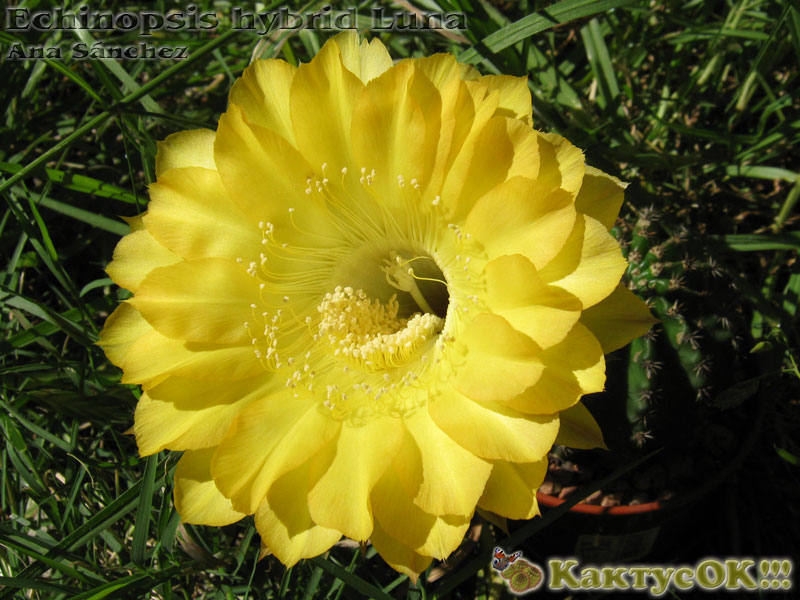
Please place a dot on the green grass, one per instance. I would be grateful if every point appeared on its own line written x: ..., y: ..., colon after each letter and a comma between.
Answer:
x: 695, y: 103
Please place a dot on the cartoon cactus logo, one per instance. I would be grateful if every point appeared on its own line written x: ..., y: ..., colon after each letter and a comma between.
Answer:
x: 520, y: 575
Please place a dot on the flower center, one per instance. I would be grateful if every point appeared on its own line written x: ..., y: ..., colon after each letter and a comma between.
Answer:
x: 363, y: 315
x: 401, y: 276
x: 369, y: 334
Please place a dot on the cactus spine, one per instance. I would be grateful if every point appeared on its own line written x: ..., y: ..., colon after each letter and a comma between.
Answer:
x: 693, y: 353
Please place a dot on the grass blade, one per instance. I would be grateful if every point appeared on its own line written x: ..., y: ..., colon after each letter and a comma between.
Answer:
x: 120, y: 507
x: 562, y: 12
x: 762, y: 172
x: 79, y: 183
x: 600, y: 61
x: 350, y: 579
x: 106, y: 114
x: 144, y: 511
x: 116, y: 69
x: 33, y: 584
x: 79, y: 214
x: 752, y: 242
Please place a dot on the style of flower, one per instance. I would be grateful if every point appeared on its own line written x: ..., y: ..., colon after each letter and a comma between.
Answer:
x: 368, y: 302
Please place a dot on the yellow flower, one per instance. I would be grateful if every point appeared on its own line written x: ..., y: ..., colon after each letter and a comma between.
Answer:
x: 364, y: 304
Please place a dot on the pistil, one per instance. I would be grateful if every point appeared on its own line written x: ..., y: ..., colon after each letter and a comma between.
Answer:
x: 401, y: 276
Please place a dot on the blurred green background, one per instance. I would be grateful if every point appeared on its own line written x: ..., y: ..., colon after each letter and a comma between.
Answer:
x: 695, y: 103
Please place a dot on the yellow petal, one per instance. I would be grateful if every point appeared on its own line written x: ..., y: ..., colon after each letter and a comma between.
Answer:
x: 471, y: 112
x: 572, y: 368
x: 399, y: 556
x: 399, y: 514
x: 506, y: 148
x: 366, y: 60
x: 392, y: 501
x: 501, y: 433
x: 269, y: 438
x: 561, y: 164
x: 121, y: 330
x: 442, y: 112
x: 580, y: 352
x: 469, y: 72
x: 323, y: 95
x: 263, y: 94
x: 526, y: 162
x: 500, y: 362
x: 452, y: 477
x: 516, y: 292
x: 184, y: 414
x: 480, y: 151
x: 579, y: 429
x: 154, y: 355
x: 442, y: 70
x: 511, y: 489
x: 197, y: 499
x: 283, y: 519
x: 389, y: 132
x: 136, y: 255
x: 205, y: 300
x: 515, y: 97
x: 193, y: 148
x: 400, y: 517
x: 618, y: 319
x: 190, y: 213
x: 590, y: 265
x: 135, y: 222
x: 341, y: 498
x: 445, y: 536
x: 521, y: 216
x: 600, y: 196
x: 266, y: 176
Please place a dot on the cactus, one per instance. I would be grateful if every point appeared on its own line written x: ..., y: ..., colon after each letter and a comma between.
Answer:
x: 674, y: 372
x: 522, y: 576
x: 665, y: 389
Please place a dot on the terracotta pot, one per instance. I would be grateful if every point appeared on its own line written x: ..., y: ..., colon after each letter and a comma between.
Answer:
x: 604, y: 534
x: 653, y: 530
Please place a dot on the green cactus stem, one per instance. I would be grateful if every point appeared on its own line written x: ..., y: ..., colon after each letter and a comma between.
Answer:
x: 694, y: 352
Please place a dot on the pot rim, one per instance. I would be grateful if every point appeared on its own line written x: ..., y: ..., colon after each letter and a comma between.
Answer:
x: 595, y: 509
x: 686, y: 498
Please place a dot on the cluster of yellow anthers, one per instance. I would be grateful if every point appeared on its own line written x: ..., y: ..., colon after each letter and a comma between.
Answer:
x: 369, y: 303
x: 370, y: 333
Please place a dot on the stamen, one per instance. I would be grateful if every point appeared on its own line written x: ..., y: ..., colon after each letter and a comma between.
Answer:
x: 369, y: 334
